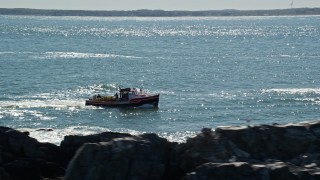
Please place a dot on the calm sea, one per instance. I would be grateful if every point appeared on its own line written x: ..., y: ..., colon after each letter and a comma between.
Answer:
x: 210, y: 72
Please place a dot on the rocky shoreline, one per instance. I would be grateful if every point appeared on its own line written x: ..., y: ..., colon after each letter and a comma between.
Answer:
x: 290, y: 151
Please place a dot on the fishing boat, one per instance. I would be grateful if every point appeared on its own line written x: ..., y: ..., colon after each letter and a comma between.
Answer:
x: 126, y: 97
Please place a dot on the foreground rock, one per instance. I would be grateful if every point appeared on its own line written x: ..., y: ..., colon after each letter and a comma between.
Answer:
x: 268, y: 152
x: 22, y: 157
x: 260, y: 152
x: 142, y: 157
x: 263, y: 152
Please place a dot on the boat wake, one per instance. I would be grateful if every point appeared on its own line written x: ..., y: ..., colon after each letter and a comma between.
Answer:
x: 42, y: 106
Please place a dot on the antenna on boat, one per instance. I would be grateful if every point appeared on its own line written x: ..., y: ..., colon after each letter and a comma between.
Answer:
x: 291, y: 4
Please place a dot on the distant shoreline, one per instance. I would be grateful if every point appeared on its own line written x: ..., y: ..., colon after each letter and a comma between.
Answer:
x: 160, y: 13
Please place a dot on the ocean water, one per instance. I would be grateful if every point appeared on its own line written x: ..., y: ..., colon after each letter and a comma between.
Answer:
x: 209, y: 71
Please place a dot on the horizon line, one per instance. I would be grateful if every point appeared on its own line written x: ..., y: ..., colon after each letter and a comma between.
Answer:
x: 167, y: 10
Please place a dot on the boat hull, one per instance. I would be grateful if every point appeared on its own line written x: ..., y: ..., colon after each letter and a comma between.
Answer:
x: 151, y: 101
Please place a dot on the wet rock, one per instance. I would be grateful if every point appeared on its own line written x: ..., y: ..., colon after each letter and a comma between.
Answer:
x: 141, y: 157
x: 16, y: 140
x: 72, y: 143
x: 45, y: 129
x: 33, y: 169
x: 242, y: 170
x: 280, y: 171
x: 265, y: 141
x: 229, y: 171
x: 205, y: 147
x: 4, y: 175
x: 23, y: 157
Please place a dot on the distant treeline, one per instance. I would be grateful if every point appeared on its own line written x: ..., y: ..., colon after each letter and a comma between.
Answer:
x: 162, y: 13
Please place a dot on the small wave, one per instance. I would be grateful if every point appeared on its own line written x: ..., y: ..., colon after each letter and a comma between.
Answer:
x: 79, y: 55
x: 22, y: 113
x: 179, y: 137
x: 290, y: 100
x: 55, y: 136
x: 70, y: 55
x: 7, y: 53
x: 285, y: 55
x: 299, y: 91
x: 11, y: 52
x: 297, y: 96
x: 308, y: 100
x: 163, y: 92
x: 96, y: 88
x: 223, y: 95
x: 12, y: 113
x: 109, y: 86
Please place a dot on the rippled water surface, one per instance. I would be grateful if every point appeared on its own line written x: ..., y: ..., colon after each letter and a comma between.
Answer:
x: 209, y: 72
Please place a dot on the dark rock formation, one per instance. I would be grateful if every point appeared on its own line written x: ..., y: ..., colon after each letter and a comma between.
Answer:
x: 284, y: 151
x: 23, y: 157
x: 141, y: 157
x: 263, y: 152
x: 70, y: 144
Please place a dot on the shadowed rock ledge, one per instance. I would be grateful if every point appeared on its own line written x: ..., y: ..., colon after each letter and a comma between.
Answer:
x: 290, y: 151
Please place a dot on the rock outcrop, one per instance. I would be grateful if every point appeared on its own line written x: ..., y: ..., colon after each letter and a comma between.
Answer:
x: 263, y: 152
x: 23, y: 157
x: 280, y: 152
x: 141, y: 157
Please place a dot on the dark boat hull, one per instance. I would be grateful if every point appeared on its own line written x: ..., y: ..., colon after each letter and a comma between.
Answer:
x: 151, y: 101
